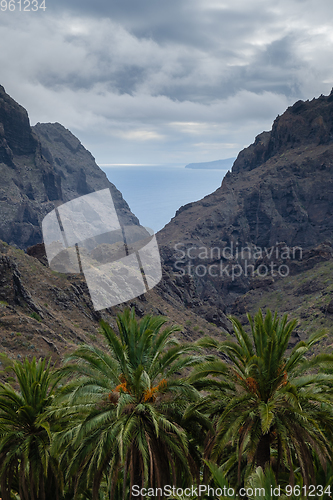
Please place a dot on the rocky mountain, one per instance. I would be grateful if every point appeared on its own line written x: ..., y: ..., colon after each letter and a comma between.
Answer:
x: 40, y: 168
x: 46, y: 313
x: 264, y: 238
x: 43, y: 312
x: 276, y: 204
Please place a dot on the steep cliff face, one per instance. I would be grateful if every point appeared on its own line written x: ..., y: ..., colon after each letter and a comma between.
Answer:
x: 16, y: 137
x: 303, y: 124
x: 280, y: 190
x: 37, y: 176
x: 76, y: 167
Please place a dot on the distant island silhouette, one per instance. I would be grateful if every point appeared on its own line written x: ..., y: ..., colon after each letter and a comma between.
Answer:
x: 217, y: 164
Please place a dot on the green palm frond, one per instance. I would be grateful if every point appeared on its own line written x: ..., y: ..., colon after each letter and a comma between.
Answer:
x: 265, y: 401
x: 25, y: 432
x: 131, y: 400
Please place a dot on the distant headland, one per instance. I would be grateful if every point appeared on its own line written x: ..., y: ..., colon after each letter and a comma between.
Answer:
x: 217, y: 164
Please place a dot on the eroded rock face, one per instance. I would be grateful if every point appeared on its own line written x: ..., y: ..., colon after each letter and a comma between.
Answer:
x: 40, y: 168
x: 279, y: 193
x: 44, y: 313
x: 16, y: 137
x: 303, y: 124
x: 76, y: 167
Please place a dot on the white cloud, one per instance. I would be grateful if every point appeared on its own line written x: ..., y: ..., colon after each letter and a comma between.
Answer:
x: 139, y: 135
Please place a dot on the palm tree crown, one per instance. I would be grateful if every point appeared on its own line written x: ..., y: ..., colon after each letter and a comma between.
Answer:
x: 25, y: 461
x: 268, y: 401
x: 126, y: 403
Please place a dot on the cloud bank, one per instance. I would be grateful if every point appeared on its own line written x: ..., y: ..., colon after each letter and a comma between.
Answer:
x: 162, y: 82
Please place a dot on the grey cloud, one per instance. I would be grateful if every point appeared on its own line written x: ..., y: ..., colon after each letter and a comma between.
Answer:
x: 141, y: 16
x: 274, y: 70
x: 150, y: 78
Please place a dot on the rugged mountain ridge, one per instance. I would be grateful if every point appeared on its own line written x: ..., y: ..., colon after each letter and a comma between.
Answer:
x: 43, y: 312
x: 40, y: 168
x: 279, y: 194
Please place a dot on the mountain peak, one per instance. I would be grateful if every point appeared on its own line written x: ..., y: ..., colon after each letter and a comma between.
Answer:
x: 42, y: 167
x: 279, y: 192
x: 303, y: 124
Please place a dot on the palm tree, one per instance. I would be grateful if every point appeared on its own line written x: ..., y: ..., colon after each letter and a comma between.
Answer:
x: 268, y: 403
x: 25, y: 461
x: 126, y: 405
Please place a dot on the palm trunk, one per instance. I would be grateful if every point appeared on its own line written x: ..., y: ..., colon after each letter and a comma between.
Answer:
x: 263, y: 456
x: 125, y: 476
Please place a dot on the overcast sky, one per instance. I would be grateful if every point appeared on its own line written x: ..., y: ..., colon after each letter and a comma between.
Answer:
x: 166, y: 81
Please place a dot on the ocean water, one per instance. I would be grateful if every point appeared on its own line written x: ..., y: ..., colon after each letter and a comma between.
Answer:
x: 155, y: 193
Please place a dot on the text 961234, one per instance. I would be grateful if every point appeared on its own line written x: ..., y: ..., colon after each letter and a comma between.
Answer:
x: 22, y: 5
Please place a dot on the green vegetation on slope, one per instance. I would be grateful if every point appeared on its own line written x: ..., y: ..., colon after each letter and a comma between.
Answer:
x: 148, y: 411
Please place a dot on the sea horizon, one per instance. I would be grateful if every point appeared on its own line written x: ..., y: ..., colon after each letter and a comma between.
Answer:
x: 155, y: 192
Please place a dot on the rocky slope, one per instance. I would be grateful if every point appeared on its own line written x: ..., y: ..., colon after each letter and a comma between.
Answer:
x: 45, y: 313
x: 306, y: 294
x: 41, y: 168
x: 277, y: 201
